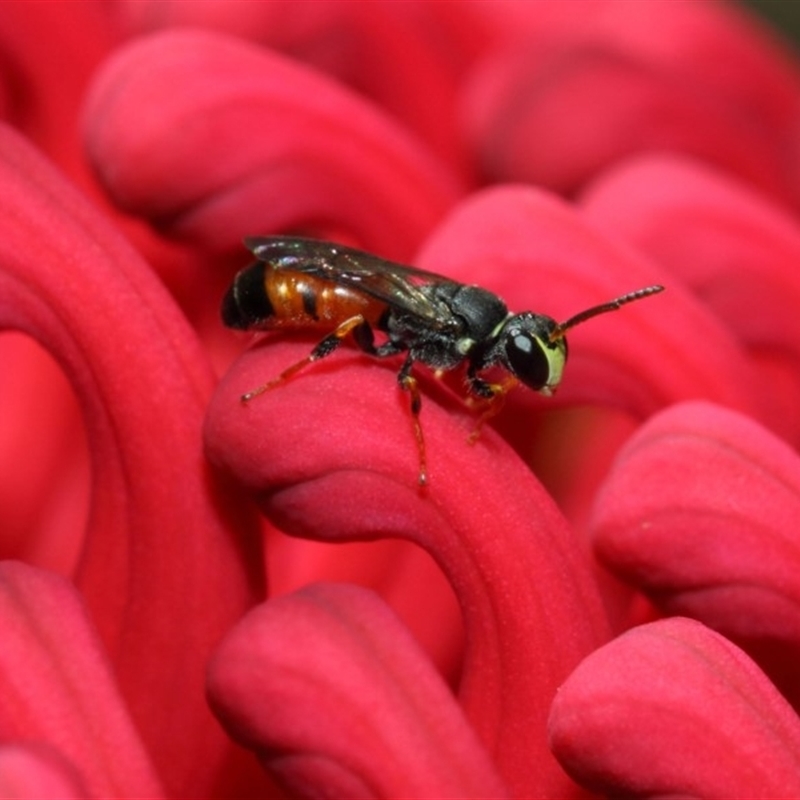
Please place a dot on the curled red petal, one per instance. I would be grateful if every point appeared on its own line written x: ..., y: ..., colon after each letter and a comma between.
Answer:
x: 44, y: 460
x: 331, y: 658
x: 407, y: 57
x: 165, y: 569
x: 672, y: 709
x: 216, y: 139
x: 736, y: 250
x: 700, y: 512
x: 37, y: 771
x: 539, y: 254
x: 331, y: 456
x: 404, y: 575
x: 572, y: 98
x: 58, y: 689
x: 48, y: 53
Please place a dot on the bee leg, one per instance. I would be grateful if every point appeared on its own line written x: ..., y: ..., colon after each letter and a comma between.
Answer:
x: 364, y: 338
x: 409, y: 384
x: 324, y: 348
x: 493, y: 396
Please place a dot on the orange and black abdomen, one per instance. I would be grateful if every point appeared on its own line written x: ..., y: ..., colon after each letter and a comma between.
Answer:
x: 262, y: 298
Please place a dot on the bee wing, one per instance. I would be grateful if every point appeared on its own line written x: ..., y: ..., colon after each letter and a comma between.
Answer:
x: 399, y: 286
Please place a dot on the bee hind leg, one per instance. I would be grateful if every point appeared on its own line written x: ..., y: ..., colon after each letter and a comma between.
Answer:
x: 324, y: 348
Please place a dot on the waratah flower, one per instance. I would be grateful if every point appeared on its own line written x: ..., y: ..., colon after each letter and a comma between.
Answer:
x: 595, y: 595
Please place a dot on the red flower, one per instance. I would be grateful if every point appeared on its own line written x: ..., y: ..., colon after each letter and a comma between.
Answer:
x: 497, y: 673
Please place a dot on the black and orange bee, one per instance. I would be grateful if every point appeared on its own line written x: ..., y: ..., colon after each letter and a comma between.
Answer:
x: 299, y: 283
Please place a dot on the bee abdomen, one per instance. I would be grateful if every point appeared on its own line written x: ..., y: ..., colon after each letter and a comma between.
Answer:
x: 246, y: 303
x: 262, y: 297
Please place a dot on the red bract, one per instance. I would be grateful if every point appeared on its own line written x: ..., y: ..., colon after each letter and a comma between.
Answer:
x: 672, y: 709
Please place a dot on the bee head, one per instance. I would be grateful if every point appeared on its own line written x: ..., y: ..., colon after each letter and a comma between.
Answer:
x: 534, y: 347
x: 532, y: 352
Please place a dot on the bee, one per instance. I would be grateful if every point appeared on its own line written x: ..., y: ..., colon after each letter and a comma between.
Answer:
x: 297, y: 283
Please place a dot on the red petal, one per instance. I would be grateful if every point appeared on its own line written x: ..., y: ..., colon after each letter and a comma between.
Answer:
x: 332, y: 456
x: 407, y: 57
x: 279, y: 147
x: 37, y: 772
x: 701, y: 512
x: 404, y: 575
x: 587, y: 89
x: 672, y: 709
x: 49, y: 51
x: 57, y: 686
x: 44, y: 460
x: 304, y: 668
x: 163, y: 570
x: 737, y: 251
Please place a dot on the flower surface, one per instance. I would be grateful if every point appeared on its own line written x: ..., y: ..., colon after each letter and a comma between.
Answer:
x: 201, y: 597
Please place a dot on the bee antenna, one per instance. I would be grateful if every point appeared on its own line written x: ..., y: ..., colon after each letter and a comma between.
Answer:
x: 612, y: 305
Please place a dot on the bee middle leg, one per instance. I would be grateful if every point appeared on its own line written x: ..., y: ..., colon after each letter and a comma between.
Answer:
x: 324, y: 348
x: 365, y: 339
x: 409, y: 384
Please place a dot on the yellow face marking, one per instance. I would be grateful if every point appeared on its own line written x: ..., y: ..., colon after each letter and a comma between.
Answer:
x: 556, y: 359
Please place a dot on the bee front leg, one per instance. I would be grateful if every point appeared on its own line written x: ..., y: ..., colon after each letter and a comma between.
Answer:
x: 324, y: 348
x: 492, y: 395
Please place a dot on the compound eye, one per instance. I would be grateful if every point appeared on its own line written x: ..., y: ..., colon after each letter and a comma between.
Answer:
x: 536, y: 362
